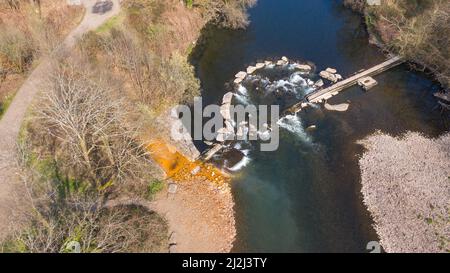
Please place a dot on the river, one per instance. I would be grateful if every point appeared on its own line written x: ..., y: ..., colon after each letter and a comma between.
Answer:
x: 305, y: 197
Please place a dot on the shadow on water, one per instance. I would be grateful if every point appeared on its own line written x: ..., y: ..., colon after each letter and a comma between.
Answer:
x: 305, y: 197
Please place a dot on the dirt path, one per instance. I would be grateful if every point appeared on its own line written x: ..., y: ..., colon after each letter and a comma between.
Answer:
x: 12, y: 120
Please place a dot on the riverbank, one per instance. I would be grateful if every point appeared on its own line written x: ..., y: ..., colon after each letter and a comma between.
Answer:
x: 197, y: 203
x: 417, y: 31
x: 405, y: 185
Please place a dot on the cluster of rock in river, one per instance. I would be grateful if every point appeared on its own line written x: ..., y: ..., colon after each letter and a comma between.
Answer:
x: 331, y: 75
x: 228, y: 130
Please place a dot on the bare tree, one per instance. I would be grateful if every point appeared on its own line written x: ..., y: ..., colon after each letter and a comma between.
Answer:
x: 88, y: 121
x: 227, y: 13
x: 60, y: 220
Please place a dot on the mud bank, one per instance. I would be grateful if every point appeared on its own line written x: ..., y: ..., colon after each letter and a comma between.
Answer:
x: 406, y: 188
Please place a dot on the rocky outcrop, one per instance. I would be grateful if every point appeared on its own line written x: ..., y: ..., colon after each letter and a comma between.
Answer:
x: 331, y: 75
x: 185, y: 144
x: 328, y: 76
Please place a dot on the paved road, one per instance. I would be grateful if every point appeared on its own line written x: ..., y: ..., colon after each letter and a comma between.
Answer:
x: 12, y: 120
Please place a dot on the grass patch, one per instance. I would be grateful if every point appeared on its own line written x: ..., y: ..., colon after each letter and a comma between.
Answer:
x: 5, y: 104
x: 111, y: 23
x: 154, y: 187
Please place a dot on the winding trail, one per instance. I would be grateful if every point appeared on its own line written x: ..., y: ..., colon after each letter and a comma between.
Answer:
x: 11, y: 122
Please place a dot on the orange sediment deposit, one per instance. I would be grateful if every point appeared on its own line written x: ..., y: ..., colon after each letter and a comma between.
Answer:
x: 179, y: 168
x: 201, y: 213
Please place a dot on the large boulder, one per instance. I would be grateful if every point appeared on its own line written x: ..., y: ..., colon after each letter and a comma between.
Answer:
x: 303, y: 67
x: 251, y: 69
x: 225, y: 111
x: 319, y: 83
x: 328, y: 76
x: 259, y: 65
x: 241, y: 75
x: 227, y: 98
x: 331, y: 70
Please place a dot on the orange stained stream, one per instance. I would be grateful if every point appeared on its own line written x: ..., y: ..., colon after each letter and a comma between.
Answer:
x: 179, y: 168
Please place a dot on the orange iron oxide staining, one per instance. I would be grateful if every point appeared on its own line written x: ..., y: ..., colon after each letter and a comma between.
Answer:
x: 179, y: 168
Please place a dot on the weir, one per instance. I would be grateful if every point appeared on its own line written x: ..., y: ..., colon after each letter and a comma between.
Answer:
x: 319, y: 95
x: 326, y: 93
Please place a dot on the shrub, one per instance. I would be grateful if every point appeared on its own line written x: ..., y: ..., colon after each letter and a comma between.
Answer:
x: 154, y: 187
x: 17, y: 50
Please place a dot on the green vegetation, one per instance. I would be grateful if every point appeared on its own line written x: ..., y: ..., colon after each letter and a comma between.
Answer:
x: 4, y: 104
x: 154, y: 187
x: 189, y: 3
x: 113, y: 22
x: 71, y: 171
x: 27, y: 31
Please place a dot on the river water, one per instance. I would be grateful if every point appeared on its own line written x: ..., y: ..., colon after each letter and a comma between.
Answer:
x: 305, y: 197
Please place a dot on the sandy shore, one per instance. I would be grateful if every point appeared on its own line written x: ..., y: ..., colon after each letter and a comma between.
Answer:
x: 406, y: 187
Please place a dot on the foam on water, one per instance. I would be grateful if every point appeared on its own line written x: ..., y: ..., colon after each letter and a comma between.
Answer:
x: 297, y: 79
x: 242, y: 99
x: 241, y: 164
x: 242, y: 90
x: 293, y: 124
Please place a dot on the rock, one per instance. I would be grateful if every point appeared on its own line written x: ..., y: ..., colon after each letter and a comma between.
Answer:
x: 221, y: 137
x: 268, y: 63
x: 173, y: 238
x: 229, y: 125
x: 182, y: 143
x: 241, y: 75
x: 240, y: 132
x: 339, y: 77
x: 238, y: 80
x: 265, y: 135
x: 312, y: 127
x: 195, y: 170
x: 251, y: 69
x: 310, y: 82
x: 328, y: 76
x: 281, y: 62
x: 319, y: 83
x: 173, y: 187
x: 225, y: 111
x: 227, y: 98
x: 209, y: 143
x: 259, y: 65
x: 173, y: 248
x: 338, y: 107
x: 331, y: 70
x: 285, y: 59
x: 303, y: 67
x: 253, y: 131
x: 224, y: 134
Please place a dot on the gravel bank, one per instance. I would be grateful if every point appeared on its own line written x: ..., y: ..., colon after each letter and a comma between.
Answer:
x: 406, y: 187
